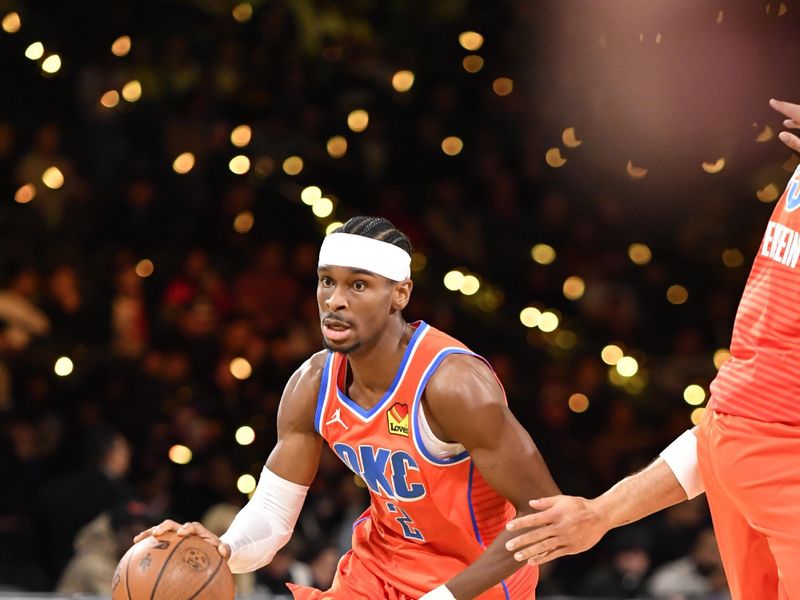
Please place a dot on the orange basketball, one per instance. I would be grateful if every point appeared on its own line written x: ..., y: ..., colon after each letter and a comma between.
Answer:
x: 170, y: 567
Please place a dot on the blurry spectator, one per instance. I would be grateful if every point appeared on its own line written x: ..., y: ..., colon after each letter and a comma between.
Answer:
x: 99, y: 546
x: 284, y: 568
x: 698, y: 575
x: 129, y: 323
x: 19, y: 309
x: 72, y: 500
x: 629, y: 565
x: 217, y: 519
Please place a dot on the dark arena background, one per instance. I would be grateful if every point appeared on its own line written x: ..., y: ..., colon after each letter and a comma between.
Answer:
x: 585, y: 184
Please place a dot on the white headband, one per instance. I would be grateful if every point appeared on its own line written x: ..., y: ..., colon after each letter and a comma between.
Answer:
x: 359, y: 252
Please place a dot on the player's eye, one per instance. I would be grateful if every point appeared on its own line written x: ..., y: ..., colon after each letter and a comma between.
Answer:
x: 359, y: 286
x: 325, y: 281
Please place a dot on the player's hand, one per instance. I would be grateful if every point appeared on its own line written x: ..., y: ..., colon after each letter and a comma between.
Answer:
x: 792, y: 121
x: 564, y: 525
x: 187, y: 528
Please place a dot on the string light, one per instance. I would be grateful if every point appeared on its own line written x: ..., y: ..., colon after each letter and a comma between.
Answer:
x: 470, y: 285
x: 180, y: 454
x: 543, y: 254
x: 132, y: 91
x: 25, y: 194
x: 677, y: 294
x: 472, y: 63
x: 145, y: 268
x: 241, y: 136
x: 452, y: 145
x: 627, y: 366
x: 246, y: 484
x: 310, y: 195
x: 322, y: 207
x: 358, y: 120
x: 453, y: 280
x: 502, y: 86
x: 548, y: 321
x: 35, y: 51
x: 110, y: 99
x: 529, y: 316
x: 402, y: 81
x: 12, y: 22
x: 611, y: 354
x: 337, y: 146
x: 63, y: 366
x: 639, y: 254
x: 51, y: 64
x: 121, y: 46
x: 578, y: 403
x: 245, y: 435
x: 573, y: 288
x: 470, y: 40
x: 183, y: 163
x: 694, y: 395
x: 240, y: 368
x: 243, y: 222
x: 239, y: 165
x: 293, y: 165
x: 53, y: 178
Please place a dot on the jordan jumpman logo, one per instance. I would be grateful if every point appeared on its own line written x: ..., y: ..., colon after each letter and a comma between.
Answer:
x: 337, y: 418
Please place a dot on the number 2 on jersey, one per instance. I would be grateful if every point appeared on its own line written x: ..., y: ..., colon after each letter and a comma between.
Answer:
x: 412, y: 533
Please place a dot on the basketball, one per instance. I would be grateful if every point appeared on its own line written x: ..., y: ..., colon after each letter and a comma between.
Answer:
x: 171, y: 567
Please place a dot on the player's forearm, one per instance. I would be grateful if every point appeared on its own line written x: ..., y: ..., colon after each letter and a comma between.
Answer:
x: 639, y: 495
x: 494, y: 565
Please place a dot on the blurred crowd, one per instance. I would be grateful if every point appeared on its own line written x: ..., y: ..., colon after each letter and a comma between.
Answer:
x: 139, y: 276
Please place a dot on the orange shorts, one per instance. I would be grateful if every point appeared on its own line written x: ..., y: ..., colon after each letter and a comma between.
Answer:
x: 352, y: 581
x: 751, y: 472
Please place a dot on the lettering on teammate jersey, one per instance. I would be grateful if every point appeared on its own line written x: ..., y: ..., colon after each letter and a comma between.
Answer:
x: 781, y: 244
x: 397, y: 415
x: 793, y: 192
x: 385, y: 472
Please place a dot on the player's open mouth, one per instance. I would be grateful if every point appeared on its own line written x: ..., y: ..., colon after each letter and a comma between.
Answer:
x: 335, y: 331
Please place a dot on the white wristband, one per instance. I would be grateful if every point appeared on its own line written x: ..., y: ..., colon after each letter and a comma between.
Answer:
x: 440, y: 593
x: 681, y: 458
x: 265, y: 524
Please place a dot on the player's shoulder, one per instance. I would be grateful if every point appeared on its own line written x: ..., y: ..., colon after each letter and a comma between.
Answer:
x: 462, y: 376
x: 306, y: 379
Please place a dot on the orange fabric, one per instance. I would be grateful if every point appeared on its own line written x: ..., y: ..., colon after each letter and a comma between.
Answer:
x: 760, y: 381
x: 429, y: 517
x: 751, y: 471
x: 352, y: 581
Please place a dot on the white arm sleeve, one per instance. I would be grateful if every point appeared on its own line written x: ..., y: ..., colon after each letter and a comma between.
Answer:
x: 265, y: 524
x: 681, y: 457
x: 440, y: 593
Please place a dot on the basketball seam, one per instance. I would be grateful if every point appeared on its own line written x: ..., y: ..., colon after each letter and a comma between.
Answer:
x: 214, y: 574
x: 161, y: 572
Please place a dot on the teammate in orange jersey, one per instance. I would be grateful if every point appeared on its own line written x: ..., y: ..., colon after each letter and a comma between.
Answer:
x: 421, y: 418
x: 746, y: 450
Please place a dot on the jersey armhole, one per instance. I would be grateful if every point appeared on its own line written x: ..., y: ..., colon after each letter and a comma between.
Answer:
x: 322, y: 396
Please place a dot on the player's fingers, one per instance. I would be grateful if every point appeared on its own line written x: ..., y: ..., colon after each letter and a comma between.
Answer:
x: 527, y: 521
x: 547, y: 556
x: 529, y: 538
x: 224, y: 550
x: 164, y: 527
x: 790, y: 124
x: 788, y: 109
x: 790, y: 140
x: 542, y: 547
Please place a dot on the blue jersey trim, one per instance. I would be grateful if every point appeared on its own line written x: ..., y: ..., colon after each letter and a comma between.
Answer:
x: 398, y: 377
x: 415, y: 408
x: 471, y: 509
x: 475, y: 522
x: 323, y: 393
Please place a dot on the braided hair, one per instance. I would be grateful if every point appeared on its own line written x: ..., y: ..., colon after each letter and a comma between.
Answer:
x: 376, y: 228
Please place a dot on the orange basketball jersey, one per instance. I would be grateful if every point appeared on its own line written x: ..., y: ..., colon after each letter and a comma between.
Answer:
x: 431, y: 515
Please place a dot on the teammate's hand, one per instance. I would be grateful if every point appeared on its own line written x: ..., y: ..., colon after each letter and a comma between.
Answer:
x: 792, y: 112
x: 564, y: 525
x: 186, y: 529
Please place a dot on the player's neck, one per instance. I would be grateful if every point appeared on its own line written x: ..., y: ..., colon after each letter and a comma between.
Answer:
x: 373, y: 368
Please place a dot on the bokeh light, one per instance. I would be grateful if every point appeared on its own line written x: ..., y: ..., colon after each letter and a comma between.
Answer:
x: 470, y: 40
x: 322, y: 208
x: 132, y: 91
x: 63, y: 366
x: 677, y: 294
x: 694, y: 395
x: 241, y: 135
x: 333, y: 226
x: 502, y: 86
x: 310, y: 194
x: 639, y: 254
x: 697, y: 415
x: 627, y: 366
x: 578, y: 403
x: 51, y: 64
x: 470, y: 285
x: 611, y: 354
x: 472, y: 63
x: 121, y: 46
x: 554, y: 159
x: 240, y: 368
x: 25, y: 194
x: 548, y: 321
x: 293, y: 165
x: 183, y: 163
x: 453, y: 280
x: 239, y: 165
x: 529, y: 316
x: 34, y: 51
x: 243, y: 222
x: 543, y: 254
x: 358, y: 120
x: 246, y: 484
x: 452, y: 145
x: 12, y: 22
x: 337, y: 146
x: 145, y: 268
x: 180, y: 454
x: 242, y: 12
x: 732, y: 258
x: 402, y: 81
x: 110, y: 99
x: 721, y: 356
x: 245, y: 435
x: 573, y: 288
x: 53, y: 178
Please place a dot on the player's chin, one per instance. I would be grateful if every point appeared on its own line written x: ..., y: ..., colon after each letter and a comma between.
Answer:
x: 340, y: 347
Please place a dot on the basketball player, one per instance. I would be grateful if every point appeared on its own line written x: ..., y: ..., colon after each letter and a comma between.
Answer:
x: 421, y: 418
x: 746, y: 450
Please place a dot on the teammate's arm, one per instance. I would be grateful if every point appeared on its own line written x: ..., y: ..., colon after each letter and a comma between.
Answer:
x: 265, y: 524
x: 464, y: 403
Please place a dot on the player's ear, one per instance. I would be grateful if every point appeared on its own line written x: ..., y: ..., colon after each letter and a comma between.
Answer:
x: 401, y: 294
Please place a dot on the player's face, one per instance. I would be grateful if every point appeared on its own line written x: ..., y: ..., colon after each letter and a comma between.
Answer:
x: 354, y: 306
